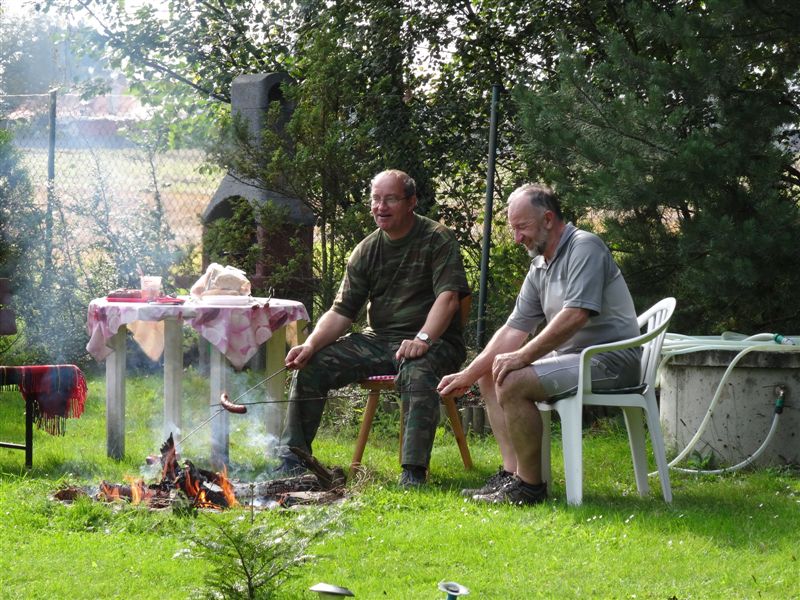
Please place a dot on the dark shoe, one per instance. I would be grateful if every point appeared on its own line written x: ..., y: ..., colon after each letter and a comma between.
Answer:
x: 495, y: 482
x: 515, y: 491
x: 289, y: 466
x: 413, y: 476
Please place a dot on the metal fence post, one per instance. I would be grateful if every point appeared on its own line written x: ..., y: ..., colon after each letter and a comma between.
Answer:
x: 487, y: 218
x: 51, y: 183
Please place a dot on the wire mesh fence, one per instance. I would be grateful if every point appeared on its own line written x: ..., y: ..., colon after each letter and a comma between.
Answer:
x: 106, y: 202
x: 99, y: 159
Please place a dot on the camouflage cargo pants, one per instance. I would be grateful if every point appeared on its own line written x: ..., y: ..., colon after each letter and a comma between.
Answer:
x: 357, y: 356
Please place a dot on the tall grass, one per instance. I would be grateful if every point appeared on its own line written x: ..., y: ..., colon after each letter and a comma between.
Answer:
x: 723, y: 537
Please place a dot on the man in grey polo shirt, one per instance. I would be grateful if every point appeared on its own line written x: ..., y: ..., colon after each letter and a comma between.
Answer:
x: 575, y: 286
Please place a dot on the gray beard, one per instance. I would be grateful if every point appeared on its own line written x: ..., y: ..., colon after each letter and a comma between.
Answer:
x: 536, y: 250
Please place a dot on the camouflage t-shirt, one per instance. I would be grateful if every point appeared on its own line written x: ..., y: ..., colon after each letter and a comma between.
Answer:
x: 399, y: 280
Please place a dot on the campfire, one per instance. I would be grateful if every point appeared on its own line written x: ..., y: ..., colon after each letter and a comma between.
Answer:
x: 202, y: 488
x: 205, y: 489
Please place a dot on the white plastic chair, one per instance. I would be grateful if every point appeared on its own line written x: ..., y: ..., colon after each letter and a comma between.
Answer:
x: 633, y: 402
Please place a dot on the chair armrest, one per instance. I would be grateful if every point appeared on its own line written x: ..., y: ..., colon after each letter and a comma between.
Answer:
x: 584, y: 373
x: 639, y: 340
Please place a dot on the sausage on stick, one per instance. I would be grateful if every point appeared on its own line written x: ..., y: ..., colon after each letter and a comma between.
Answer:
x: 237, y: 409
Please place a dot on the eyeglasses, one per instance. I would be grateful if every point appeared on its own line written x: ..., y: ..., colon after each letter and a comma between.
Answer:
x: 388, y: 200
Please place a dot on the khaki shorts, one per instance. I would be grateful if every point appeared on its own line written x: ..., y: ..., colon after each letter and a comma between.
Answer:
x: 558, y: 373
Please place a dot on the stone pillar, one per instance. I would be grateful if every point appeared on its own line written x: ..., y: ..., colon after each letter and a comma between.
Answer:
x: 251, y: 97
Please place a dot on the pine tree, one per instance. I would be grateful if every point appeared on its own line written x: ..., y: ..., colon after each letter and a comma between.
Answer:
x: 669, y: 127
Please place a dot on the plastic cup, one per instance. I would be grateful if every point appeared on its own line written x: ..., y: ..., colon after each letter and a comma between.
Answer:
x: 151, y: 287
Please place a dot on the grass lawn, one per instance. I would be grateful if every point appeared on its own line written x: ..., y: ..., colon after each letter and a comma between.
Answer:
x: 734, y: 536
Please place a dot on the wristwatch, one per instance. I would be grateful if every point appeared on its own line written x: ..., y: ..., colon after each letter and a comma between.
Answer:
x: 424, y: 337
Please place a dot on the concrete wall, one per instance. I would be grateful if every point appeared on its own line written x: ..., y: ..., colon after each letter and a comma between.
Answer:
x: 745, y: 409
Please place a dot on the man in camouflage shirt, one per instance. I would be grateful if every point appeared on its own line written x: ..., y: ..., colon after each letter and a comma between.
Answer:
x: 409, y: 274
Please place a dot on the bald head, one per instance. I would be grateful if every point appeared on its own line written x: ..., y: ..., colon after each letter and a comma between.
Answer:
x: 408, y: 183
x: 534, y: 216
x: 539, y: 196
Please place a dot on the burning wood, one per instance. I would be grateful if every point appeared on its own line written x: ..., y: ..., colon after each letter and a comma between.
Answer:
x: 169, y: 460
x: 329, y: 478
x: 204, y: 489
x: 207, y: 489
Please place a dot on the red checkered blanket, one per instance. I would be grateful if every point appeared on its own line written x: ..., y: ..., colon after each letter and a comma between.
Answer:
x: 56, y: 392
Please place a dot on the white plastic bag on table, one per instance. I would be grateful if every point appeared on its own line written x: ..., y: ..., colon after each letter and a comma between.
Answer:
x: 221, y: 281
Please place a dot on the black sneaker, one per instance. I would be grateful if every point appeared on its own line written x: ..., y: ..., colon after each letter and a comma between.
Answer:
x: 413, y: 476
x: 288, y: 467
x: 495, y: 481
x: 515, y: 491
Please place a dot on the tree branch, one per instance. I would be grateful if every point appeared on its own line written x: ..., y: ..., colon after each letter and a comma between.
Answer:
x: 792, y: 176
x: 119, y: 42
x: 237, y: 27
x: 610, y: 125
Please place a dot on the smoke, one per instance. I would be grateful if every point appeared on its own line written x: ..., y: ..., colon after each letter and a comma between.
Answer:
x: 116, y: 201
x: 252, y: 430
x: 251, y: 445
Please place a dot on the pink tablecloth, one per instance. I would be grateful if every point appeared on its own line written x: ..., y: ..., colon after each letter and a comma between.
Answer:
x: 236, y: 331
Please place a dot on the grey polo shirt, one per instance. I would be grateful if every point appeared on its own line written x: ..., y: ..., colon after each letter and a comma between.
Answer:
x: 582, y: 274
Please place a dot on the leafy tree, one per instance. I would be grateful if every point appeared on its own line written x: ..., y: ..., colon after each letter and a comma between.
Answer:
x: 36, y: 55
x: 182, y: 56
x: 669, y: 128
x: 664, y: 124
x: 470, y: 49
x: 252, y: 558
x: 234, y: 241
x: 15, y: 229
x: 349, y: 121
x: 378, y: 85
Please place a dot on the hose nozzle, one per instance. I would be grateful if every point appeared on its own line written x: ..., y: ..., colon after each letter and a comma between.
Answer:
x: 780, y: 396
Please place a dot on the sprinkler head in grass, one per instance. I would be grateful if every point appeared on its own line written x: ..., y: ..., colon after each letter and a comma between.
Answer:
x: 452, y: 589
x: 326, y: 590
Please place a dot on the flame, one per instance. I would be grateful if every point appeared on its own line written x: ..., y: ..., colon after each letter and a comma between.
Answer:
x: 191, y: 487
x: 194, y: 490
x: 169, y: 461
x: 204, y: 490
x: 227, y: 487
x: 138, y: 489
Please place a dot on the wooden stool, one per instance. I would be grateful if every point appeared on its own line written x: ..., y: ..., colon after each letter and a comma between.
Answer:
x: 380, y: 383
x: 386, y: 383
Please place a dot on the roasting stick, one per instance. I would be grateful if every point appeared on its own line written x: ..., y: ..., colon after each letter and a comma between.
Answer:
x: 239, y: 408
x: 259, y: 384
x: 193, y: 431
x: 225, y: 404
x: 224, y: 400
